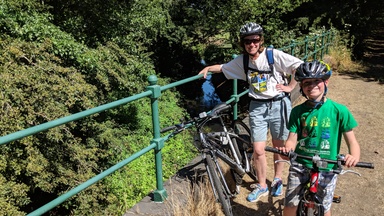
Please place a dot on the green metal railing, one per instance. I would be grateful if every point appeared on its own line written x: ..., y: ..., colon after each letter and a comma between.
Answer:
x: 310, y: 48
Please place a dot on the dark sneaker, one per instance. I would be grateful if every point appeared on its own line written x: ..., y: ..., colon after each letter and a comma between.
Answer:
x: 277, y: 187
x: 257, y: 193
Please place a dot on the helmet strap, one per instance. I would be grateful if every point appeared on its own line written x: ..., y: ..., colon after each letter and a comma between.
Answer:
x: 314, y: 103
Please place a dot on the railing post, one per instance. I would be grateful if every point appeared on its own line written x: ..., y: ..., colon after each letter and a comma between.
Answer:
x: 160, y: 194
x: 329, y: 40
x: 235, y: 95
x: 306, y: 48
x: 322, y: 45
x: 315, y: 47
x: 293, y: 46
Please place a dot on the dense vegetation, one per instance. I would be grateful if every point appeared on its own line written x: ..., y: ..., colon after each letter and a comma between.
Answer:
x: 59, y: 57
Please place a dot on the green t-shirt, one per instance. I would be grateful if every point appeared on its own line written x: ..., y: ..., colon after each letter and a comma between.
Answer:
x: 320, y: 130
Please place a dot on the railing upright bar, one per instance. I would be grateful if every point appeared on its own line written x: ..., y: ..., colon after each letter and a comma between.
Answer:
x: 160, y: 194
x: 293, y: 47
x: 315, y: 47
x: 306, y: 48
x: 322, y: 45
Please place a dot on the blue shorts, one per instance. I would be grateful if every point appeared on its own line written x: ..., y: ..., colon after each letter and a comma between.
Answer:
x: 297, y: 180
x: 273, y: 115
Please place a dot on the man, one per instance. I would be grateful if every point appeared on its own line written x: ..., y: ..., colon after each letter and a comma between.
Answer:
x: 270, y: 104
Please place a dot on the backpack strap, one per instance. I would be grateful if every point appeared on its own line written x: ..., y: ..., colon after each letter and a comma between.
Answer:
x: 271, y: 61
x: 245, y: 65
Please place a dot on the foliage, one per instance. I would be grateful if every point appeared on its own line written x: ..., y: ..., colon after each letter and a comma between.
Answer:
x: 45, y: 75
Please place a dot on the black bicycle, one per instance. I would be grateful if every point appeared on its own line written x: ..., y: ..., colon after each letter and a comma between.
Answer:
x: 229, y: 144
x: 310, y: 204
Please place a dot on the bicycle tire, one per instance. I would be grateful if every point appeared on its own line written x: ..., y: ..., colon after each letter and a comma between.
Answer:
x: 243, y: 131
x: 303, y: 210
x: 217, y: 186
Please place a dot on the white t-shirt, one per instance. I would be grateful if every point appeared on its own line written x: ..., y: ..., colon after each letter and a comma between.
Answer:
x: 262, y: 82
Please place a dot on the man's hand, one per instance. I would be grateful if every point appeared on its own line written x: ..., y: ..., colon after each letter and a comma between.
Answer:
x: 284, y: 88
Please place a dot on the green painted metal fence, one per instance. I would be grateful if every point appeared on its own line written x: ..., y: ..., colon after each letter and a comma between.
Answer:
x: 310, y: 48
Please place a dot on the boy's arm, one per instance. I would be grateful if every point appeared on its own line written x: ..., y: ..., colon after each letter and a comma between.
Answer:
x: 290, y: 144
x: 354, y: 149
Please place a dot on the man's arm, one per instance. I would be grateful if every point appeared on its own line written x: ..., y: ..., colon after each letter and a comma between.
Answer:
x: 289, y: 88
x: 212, y: 68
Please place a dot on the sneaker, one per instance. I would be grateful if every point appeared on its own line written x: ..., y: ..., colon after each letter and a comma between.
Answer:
x: 277, y: 187
x: 257, y: 193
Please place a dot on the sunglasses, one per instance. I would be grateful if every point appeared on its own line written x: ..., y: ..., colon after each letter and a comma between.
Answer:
x: 310, y: 83
x: 250, y: 41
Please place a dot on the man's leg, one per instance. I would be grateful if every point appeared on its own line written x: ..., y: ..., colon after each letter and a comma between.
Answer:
x: 279, y: 167
x: 260, y: 163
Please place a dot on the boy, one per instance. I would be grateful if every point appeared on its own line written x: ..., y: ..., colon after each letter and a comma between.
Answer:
x: 317, y: 126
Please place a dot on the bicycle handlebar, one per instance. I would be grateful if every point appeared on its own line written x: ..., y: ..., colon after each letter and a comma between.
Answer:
x: 215, y: 112
x: 292, y: 154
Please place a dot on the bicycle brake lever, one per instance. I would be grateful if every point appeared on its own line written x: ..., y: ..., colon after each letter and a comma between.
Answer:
x: 349, y: 171
x: 286, y: 161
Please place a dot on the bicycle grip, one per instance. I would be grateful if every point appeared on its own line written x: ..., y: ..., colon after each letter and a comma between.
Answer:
x: 271, y: 149
x: 365, y: 165
x: 277, y: 151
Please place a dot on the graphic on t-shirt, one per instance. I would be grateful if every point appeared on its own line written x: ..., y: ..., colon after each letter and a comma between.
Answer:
x: 304, y: 132
x: 259, y: 81
x: 325, y: 134
x: 325, y: 145
x: 312, y: 144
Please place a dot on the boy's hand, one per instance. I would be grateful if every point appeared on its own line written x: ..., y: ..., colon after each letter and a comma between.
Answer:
x: 350, y: 161
x: 285, y: 150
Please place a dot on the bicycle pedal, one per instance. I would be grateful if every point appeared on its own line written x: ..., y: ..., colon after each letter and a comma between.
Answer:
x: 336, y: 199
x: 253, y: 186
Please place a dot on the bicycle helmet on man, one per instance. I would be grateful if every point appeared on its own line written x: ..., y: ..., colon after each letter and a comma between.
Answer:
x: 250, y: 29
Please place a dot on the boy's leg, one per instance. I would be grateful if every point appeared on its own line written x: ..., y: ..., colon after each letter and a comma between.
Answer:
x: 289, y: 211
x: 296, y: 182
x: 327, y: 186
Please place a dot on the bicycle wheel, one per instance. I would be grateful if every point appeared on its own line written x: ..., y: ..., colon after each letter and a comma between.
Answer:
x: 217, y: 186
x: 309, y: 208
x: 245, y: 146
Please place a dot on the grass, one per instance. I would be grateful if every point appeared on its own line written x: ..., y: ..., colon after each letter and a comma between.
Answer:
x: 200, y: 201
x: 340, y: 60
